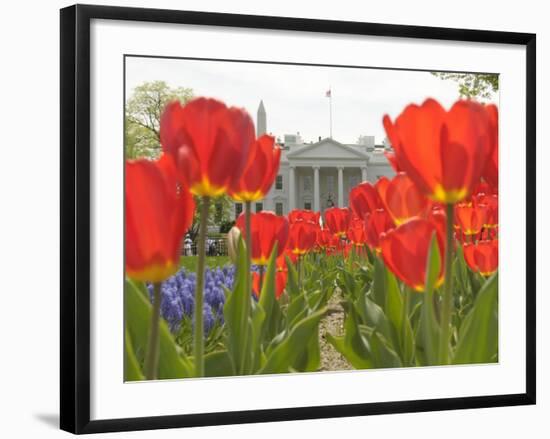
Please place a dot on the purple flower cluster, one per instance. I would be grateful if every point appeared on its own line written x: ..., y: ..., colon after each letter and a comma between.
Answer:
x: 178, y: 296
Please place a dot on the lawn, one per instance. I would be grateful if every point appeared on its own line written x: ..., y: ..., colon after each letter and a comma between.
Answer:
x: 190, y: 262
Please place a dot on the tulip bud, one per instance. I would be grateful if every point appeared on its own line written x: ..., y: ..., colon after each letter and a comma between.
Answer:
x: 233, y: 237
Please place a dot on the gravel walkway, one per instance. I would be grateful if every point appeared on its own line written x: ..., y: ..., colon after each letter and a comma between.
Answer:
x: 333, y: 323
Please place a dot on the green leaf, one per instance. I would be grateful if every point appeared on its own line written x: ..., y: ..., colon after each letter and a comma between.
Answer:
x: 353, y: 345
x: 461, y: 270
x: 274, y: 323
x: 267, y: 326
x: 132, y: 371
x: 138, y: 309
x: 140, y: 287
x: 478, y: 338
x: 236, y: 313
x: 375, y: 318
x: 383, y: 355
x: 292, y: 287
x: 218, y: 364
x: 310, y: 358
x: 267, y: 295
x: 429, y: 331
x: 296, y: 310
x: 316, y: 299
x: 379, y: 283
x: 349, y: 283
x: 287, y: 352
x: 256, y: 329
x: 398, y: 317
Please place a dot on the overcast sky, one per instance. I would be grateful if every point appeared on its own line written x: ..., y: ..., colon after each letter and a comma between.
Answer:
x: 294, y: 96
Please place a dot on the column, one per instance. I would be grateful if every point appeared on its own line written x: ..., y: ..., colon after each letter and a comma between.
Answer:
x: 363, y: 173
x: 316, y: 191
x: 340, y: 186
x: 292, y: 188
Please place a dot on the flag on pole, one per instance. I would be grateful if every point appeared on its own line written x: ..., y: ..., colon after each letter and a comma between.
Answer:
x: 328, y: 94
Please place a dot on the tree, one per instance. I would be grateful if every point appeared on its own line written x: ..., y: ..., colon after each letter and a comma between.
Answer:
x: 478, y: 86
x: 143, y: 112
x: 219, y: 214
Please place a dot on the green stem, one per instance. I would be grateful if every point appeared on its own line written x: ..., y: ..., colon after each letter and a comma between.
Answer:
x: 299, y: 270
x: 248, y: 242
x: 241, y: 363
x: 446, y: 310
x: 198, y: 349
x: 152, y: 354
x: 406, y: 301
x: 405, y: 316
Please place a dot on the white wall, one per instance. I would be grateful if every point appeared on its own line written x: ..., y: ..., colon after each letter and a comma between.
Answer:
x: 29, y: 237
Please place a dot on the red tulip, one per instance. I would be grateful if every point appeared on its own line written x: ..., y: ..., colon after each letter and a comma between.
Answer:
x: 209, y: 143
x: 443, y: 152
x: 260, y: 172
x: 347, y: 249
x: 280, y: 283
x: 303, y: 214
x: 324, y: 238
x: 336, y: 245
x: 482, y: 256
x: 491, y: 169
x: 403, y: 200
x: 266, y: 229
x: 364, y: 199
x: 491, y: 201
x: 280, y: 263
x: 337, y: 220
x: 438, y: 218
x: 483, y: 188
x: 405, y: 251
x: 392, y: 160
x: 376, y: 223
x: 381, y: 186
x: 356, y: 232
x: 302, y: 236
x: 437, y: 207
x: 471, y: 217
x: 158, y: 212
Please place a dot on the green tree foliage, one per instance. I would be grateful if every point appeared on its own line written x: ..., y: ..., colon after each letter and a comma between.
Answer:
x: 143, y: 111
x: 477, y: 86
x: 219, y: 214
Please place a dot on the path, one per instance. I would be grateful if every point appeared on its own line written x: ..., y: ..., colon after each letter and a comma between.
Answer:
x: 333, y: 323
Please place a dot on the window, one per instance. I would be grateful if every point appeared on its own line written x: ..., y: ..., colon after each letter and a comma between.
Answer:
x: 238, y: 209
x: 307, y: 205
x: 330, y: 183
x: 279, y: 209
x: 259, y: 207
x: 279, y: 182
x: 307, y: 183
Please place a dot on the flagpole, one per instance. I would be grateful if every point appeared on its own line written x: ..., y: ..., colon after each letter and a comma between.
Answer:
x: 330, y: 109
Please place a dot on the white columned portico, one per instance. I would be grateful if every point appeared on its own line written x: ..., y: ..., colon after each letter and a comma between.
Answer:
x: 316, y: 191
x: 363, y: 173
x: 292, y: 188
x: 340, y: 186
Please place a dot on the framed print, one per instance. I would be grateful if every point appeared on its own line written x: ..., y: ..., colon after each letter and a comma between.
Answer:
x: 273, y: 218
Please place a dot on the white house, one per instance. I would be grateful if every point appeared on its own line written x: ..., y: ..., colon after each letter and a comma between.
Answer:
x: 319, y: 175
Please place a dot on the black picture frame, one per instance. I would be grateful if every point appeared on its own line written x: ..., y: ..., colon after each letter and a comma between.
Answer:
x: 75, y: 217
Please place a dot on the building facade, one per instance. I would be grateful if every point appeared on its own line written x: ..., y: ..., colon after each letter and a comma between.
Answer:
x: 319, y: 175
